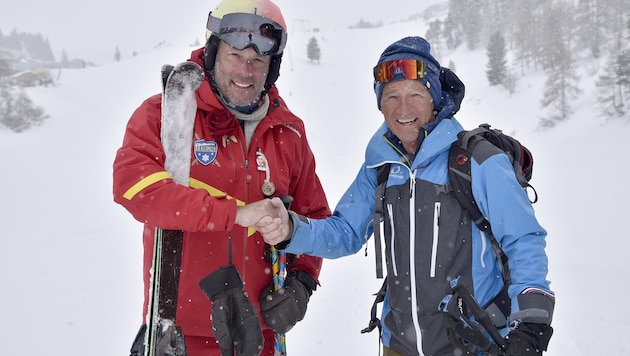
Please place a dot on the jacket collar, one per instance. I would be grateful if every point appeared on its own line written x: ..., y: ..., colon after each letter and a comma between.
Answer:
x: 379, y: 149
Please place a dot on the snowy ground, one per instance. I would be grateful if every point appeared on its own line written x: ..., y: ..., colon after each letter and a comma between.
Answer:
x: 71, y: 259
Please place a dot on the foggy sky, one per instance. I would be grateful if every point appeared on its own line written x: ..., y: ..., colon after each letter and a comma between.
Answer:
x: 92, y: 30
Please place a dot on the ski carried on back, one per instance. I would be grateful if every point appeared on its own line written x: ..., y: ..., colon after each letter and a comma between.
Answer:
x: 179, y: 106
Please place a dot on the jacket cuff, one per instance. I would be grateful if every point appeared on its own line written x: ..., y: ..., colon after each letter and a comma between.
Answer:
x: 534, y: 306
x: 221, y: 281
x: 222, y: 216
x: 297, y: 220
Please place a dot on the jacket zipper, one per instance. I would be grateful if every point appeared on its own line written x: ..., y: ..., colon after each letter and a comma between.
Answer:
x: 390, y: 212
x: 483, y: 248
x: 436, y: 232
x: 412, y: 261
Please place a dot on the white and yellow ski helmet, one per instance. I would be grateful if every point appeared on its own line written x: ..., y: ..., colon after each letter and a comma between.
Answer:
x: 247, y: 23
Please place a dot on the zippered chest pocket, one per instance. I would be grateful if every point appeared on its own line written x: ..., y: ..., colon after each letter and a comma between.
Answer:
x: 426, y: 231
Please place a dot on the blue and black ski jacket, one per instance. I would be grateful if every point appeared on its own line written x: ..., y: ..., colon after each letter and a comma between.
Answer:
x: 429, y: 238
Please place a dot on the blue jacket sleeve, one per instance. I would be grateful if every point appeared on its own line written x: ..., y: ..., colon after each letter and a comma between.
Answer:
x: 507, y: 207
x: 347, y: 229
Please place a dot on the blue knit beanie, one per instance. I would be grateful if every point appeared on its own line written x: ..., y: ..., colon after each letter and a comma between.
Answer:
x: 413, y: 48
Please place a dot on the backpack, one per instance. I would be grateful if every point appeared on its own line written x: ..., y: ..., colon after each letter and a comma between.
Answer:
x: 460, y: 155
x: 461, y: 182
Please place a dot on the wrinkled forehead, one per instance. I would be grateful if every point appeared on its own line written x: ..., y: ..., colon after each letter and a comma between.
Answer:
x: 405, y: 84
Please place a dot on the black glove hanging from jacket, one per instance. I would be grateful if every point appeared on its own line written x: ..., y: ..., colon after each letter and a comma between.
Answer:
x: 528, y: 339
x: 282, y: 309
x: 234, y: 319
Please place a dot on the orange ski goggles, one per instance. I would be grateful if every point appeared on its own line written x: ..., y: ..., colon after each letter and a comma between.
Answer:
x: 409, y: 68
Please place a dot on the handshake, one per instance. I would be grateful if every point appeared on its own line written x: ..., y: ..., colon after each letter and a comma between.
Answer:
x: 269, y: 216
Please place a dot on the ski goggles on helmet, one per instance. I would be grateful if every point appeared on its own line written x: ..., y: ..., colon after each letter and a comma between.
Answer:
x: 241, y: 30
x: 409, y: 68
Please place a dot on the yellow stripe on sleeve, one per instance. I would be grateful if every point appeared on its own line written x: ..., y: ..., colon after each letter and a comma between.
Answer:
x: 197, y: 184
x: 194, y: 183
x: 147, y: 181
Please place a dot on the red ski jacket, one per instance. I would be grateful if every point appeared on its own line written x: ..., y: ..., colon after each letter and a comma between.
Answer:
x: 223, y: 174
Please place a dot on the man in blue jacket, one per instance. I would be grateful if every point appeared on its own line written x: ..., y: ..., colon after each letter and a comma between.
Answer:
x: 429, y: 238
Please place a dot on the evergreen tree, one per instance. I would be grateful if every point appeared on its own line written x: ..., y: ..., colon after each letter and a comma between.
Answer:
x: 117, y: 55
x: 622, y: 72
x: 31, y: 45
x: 525, y: 40
x: 561, y: 87
x: 609, y: 93
x: 17, y: 111
x: 587, y: 27
x: 452, y: 35
x: 6, y: 71
x: 434, y: 36
x: 312, y: 50
x: 614, y: 83
x: 473, y: 26
x: 454, y: 24
x: 497, y: 63
x: 499, y: 12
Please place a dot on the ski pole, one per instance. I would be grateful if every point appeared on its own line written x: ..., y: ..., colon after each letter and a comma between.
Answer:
x: 278, y: 267
x: 481, y: 315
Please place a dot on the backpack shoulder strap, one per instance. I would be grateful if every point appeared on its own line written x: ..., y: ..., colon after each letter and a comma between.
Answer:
x: 374, y: 320
x: 459, y: 158
x: 460, y: 155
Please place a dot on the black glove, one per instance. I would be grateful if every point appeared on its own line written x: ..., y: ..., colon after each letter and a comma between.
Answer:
x: 282, y: 309
x: 234, y: 320
x: 528, y: 339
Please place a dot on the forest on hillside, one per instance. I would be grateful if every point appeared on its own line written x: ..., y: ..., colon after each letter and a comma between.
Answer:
x: 24, y: 44
x: 553, y: 36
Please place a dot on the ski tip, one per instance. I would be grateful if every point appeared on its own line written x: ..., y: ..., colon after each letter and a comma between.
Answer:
x: 194, y: 71
x: 188, y: 66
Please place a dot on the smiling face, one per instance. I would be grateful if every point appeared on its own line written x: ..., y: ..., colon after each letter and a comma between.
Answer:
x: 406, y: 106
x: 240, y: 74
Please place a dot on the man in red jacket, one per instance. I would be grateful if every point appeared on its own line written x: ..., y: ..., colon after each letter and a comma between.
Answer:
x: 247, y: 146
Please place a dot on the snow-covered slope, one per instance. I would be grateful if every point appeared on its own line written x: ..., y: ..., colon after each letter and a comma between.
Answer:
x: 71, y: 258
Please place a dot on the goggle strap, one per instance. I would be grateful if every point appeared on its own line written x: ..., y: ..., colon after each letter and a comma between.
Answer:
x: 214, y: 24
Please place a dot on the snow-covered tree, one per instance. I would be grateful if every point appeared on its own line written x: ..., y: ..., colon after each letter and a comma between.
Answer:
x: 609, y: 93
x: 561, y: 87
x: 587, y: 29
x: 435, y: 36
x: 496, y: 69
x: 117, y: 54
x: 29, y: 44
x: 17, y: 111
x: 5, y: 72
x: 622, y: 72
x: 312, y: 50
x: 473, y: 26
